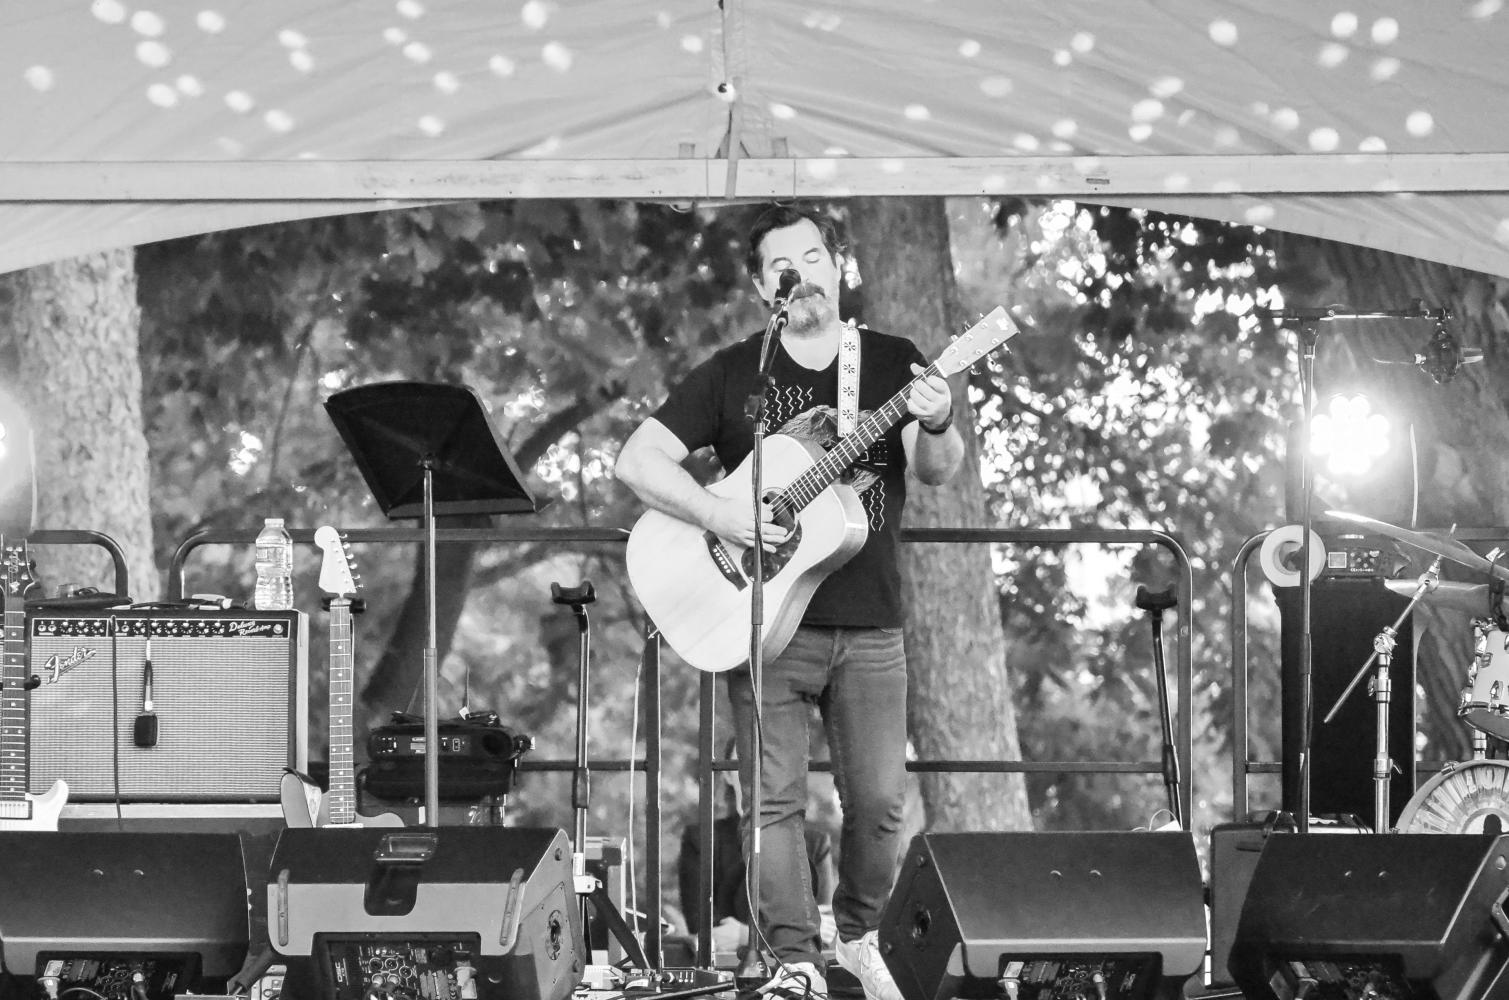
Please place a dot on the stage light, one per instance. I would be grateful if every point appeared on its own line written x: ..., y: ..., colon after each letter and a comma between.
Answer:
x: 1350, y: 435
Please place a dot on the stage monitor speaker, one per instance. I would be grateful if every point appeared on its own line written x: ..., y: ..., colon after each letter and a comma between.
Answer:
x: 1346, y: 614
x: 1045, y: 915
x: 129, y: 895
x: 1234, y: 852
x: 426, y: 910
x: 230, y: 693
x: 1385, y: 915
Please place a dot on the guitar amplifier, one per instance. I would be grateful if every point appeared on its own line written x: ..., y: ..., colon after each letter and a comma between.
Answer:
x: 230, y: 693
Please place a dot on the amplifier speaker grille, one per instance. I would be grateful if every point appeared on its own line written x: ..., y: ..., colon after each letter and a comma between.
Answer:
x: 230, y: 691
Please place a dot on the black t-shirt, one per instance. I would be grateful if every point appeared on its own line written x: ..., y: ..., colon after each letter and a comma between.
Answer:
x: 707, y: 408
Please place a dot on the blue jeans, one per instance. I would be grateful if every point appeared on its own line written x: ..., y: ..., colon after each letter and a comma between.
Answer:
x: 856, y: 677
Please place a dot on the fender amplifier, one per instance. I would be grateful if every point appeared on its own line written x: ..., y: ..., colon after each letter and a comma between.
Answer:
x: 229, y: 689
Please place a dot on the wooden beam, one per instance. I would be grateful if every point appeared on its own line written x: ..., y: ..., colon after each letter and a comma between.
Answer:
x: 703, y: 180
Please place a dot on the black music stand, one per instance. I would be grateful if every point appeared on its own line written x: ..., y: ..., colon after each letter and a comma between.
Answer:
x: 427, y: 449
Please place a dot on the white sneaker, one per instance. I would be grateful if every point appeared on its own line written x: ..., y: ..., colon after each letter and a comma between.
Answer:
x: 862, y: 958
x: 799, y: 981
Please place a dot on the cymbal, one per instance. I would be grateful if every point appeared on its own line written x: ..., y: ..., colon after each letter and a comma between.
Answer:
x: 1469, y: 597
x: 1446, y: 548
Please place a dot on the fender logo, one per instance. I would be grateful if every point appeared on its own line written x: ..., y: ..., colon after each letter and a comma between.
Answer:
x: 60, y: 664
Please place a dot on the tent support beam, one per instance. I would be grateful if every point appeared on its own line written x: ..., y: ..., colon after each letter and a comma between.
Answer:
x: 757, y: 179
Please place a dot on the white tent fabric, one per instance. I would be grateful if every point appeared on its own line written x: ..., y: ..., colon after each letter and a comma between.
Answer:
x: 1384, y: 124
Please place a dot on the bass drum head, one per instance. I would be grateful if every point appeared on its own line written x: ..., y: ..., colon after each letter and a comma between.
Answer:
x: 1467, y: 798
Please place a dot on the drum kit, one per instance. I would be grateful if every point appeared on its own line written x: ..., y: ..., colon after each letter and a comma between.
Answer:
x: 1470, y: 796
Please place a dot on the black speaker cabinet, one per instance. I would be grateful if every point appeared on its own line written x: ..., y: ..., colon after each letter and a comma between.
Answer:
x: 1411, y: 915
x: 1112, y: 915
x: 1234, y: 852
x: 127, y: 894
x: 1346, y: 613
x: 492, y: 906
x: 230, y: 693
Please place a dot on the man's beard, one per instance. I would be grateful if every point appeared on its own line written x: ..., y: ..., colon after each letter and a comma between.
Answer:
x: 809, y: 313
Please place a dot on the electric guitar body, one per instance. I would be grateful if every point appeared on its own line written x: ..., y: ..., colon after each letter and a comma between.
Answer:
x: 304, y: 803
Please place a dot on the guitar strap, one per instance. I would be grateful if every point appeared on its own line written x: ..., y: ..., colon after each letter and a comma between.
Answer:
x: 848, y: 380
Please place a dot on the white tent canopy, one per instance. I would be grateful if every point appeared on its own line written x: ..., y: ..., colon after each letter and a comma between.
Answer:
x: 1385, y: 125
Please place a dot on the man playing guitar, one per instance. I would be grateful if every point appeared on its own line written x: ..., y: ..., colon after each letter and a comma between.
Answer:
x: 846, y: 657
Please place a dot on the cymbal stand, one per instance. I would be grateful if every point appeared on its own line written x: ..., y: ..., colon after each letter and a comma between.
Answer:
x: 1382, y: 691
x: 1308, y: 338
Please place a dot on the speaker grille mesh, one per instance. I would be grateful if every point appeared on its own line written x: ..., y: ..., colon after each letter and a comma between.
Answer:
x: 229, y: 692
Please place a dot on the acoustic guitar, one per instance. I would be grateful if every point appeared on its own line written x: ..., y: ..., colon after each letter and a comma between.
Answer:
x: 696, y: 587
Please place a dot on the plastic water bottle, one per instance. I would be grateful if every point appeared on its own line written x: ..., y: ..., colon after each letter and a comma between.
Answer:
x: 274, y: 568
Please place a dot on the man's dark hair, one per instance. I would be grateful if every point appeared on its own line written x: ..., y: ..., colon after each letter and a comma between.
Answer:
x: 779, y: 217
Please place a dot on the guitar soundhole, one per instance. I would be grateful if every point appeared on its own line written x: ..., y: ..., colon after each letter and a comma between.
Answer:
x: 777, y: 560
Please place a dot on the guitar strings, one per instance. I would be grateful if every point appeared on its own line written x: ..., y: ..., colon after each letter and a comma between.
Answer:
x: 806, y: 487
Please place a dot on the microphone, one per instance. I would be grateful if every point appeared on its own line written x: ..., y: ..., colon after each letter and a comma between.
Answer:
x: 790, y: 279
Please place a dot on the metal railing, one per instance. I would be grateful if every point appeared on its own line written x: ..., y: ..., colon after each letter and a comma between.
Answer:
x: 708, y: 764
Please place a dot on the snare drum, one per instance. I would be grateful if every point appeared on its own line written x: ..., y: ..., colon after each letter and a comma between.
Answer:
x: 1485, y: 699
x: 1465, y: 798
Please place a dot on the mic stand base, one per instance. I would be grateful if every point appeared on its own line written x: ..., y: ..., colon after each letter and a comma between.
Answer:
x: 751, y: 973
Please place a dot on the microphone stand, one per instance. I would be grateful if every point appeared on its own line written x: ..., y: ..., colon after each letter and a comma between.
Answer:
x: 1309, y: 336
x: 752, y: 965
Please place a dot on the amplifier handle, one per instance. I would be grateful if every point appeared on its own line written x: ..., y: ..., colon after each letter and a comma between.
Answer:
x: 508, y: 935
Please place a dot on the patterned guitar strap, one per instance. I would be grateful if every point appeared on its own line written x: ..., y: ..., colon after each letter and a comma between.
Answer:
x: 848, y: 380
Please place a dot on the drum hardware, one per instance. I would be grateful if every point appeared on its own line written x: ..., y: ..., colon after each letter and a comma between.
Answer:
x: 1472, y: 598
x: 1485, y: 699
x: 1446, y: 547
x: 1381, y: 689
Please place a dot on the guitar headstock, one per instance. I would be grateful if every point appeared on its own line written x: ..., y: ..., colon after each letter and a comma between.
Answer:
x: 15, y: 571
x: 338, y: 576
x: 990, y: 332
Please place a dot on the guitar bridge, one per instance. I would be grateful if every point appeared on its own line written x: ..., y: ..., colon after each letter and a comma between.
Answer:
x: 724, y: 561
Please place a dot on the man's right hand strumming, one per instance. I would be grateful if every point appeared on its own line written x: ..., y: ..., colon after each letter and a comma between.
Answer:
x: 731, y: 520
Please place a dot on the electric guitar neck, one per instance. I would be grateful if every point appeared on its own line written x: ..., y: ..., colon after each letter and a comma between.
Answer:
x: 19, y: 809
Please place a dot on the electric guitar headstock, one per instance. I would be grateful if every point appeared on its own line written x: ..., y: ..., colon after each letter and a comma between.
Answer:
x: 338, y: 576
x: 16, y: 579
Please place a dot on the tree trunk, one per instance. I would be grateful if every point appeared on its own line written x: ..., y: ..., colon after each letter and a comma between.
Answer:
x: 1461, y: 425
x: 960, y: 696
x: 75, y: 325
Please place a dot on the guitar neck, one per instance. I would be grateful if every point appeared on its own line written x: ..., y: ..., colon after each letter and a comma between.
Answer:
x: 15, y: 715
x: 342, y: 795
x: 826, y: 470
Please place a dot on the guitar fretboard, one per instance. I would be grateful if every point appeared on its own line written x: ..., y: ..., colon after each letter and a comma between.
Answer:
x: 15, y: 723
x: 805, y: 488
x: 342, y: 794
